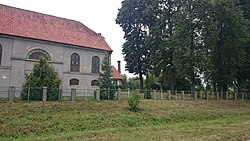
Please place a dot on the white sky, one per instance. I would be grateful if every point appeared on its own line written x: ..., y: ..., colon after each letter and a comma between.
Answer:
x: 98, y: 15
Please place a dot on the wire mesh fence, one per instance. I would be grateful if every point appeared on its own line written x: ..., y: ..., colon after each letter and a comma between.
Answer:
x: 76, y: 94
x: 4, y: 93
x: 79, y: 94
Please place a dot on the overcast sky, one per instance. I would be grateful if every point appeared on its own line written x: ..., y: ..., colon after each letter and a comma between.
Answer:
x: 98, y: 15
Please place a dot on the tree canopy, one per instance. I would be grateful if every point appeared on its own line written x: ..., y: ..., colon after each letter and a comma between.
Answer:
x: 133, y: 18
x: 204, y: 42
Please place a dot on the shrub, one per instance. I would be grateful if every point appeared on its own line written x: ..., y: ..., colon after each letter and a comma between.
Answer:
x: 133, y: 102
x: 43, y: 75
x: 106, y: 85
x: 147, y: 94
x: 107, y: 94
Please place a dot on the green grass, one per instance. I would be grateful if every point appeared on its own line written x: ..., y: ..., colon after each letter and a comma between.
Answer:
x: 78, y: 98
x: 111, y: 120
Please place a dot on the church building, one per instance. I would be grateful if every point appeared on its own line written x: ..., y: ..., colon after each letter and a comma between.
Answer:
x: 75, y: 51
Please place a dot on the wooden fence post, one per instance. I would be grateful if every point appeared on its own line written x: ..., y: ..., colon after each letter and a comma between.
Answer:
x: 169, y: 94
x: 59, y: 94
x: 195, y: 95
x: 45, y: 90
x: 12, y: 93
x: 212, y: 95
x: 182, y: 94
x: 217, y: 96
x: 162, y: 94
x: 29, y: 89
x: 98, y: 94
x: 154, y: 93
x: 73, y: 94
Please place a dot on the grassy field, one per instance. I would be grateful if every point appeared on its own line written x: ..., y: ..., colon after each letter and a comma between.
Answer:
x: 111, y: 120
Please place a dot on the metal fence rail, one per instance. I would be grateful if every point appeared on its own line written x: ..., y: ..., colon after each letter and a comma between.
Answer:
x: 12, y: 94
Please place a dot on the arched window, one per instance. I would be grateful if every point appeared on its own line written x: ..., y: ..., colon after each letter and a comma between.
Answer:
x: 95, y: 64
x: 75, y: 62
x: 94, y: 83
x: 1, y: 52
x: 74, y: 81
x: 37, y: 54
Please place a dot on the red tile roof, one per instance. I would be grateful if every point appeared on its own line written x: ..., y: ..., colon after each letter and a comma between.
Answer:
x: 29, y: 24
x: 116, y: 74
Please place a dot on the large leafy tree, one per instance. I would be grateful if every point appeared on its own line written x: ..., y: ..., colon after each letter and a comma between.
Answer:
x: 106, y: 85
x: 245, y: 5
x: 210, y: 39
x: 43, y: 75
x: 228, y: 54
x: 159, y: 41
x: 196, y: 40
x: 243, y: 76
x: 133, y: 18
x: 189, y: 56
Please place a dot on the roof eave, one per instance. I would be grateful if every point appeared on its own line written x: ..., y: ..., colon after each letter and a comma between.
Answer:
x: 56, y: 42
